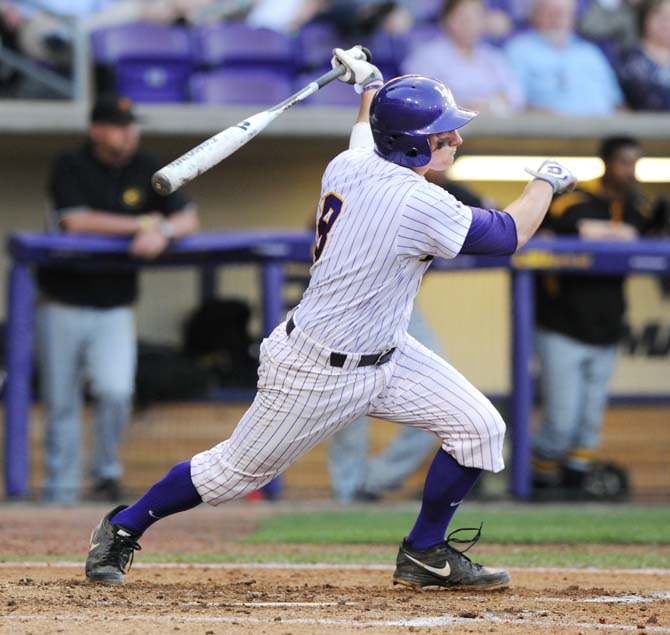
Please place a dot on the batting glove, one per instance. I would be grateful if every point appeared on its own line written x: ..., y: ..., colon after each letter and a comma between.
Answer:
x: 557, y: 175
x: 359, y: 71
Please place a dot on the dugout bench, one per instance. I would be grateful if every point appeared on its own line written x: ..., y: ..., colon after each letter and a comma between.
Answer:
x: 270, y: 250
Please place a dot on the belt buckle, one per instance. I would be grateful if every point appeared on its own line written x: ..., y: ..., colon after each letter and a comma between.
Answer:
x: 384, y: 357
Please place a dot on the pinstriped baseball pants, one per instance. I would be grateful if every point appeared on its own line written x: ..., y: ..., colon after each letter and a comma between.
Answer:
x: 302, y: 400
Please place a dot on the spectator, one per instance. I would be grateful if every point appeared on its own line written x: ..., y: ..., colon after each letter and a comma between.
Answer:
x: 610, y: 22
x: 45, y: 35
x: 580, y: 321
x: 476, y: 72
x: 644, y: 70
x: 560, y: 72
x: 289, y: 17
x: 85, y: 328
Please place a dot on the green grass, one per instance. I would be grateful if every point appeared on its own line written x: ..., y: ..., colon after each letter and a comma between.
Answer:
x: 530, y: 526
x: 559, y: 536
x: 548, y: 557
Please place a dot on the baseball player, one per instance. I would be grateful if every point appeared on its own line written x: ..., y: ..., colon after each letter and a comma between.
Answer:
x: 344, y: 350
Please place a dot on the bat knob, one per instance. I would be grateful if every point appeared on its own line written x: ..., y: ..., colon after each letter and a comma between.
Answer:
x: 161, y: 184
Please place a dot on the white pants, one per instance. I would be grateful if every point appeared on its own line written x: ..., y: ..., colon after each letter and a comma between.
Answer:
x: 302, y: 400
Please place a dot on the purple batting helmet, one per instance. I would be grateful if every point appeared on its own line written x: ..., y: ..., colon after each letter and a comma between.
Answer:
x: 405, y: 111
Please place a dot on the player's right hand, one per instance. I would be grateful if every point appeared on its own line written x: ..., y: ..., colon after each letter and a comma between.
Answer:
x: 359, y: 71
x: 557, y: 175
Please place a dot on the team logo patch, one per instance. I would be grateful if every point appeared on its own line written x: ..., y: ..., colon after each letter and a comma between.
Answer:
x: 132, y: 197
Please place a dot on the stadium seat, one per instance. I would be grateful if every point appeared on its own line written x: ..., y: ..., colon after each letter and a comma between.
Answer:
x: 336, y: 94
x: 426, y: 10
x: 239, y: 86
x: 151, y: 62
x: 316, y: 41
x: 235, y: 44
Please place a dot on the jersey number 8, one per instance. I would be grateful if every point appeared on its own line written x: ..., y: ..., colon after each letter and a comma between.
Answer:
x: 330, y: 210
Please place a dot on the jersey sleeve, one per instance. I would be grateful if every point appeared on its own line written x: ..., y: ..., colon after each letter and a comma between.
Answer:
x: 433, y: 223
x: 65, y: 186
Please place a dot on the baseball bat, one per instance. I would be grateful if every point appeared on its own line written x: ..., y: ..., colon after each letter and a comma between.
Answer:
x: 215, y: 149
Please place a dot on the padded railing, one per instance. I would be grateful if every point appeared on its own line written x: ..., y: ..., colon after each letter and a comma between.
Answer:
x: 270, y: 250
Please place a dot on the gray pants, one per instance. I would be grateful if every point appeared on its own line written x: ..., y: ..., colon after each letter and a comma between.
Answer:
x: 75, y: 345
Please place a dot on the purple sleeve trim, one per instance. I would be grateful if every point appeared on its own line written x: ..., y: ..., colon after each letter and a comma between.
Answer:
x: 491, y: 233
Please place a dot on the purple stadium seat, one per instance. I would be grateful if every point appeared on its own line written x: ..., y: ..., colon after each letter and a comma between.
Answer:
x: 239, y: 86
x: 426, y: 10
x: 316, y: 41
x: 237, y: 44
x: 140, y: 41
x: 418, y: 35
x: 387, y: 52
x: 151, y: 62
x: 334, y: 94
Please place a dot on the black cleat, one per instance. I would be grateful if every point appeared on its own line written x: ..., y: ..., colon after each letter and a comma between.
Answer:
x: 444, y: 566
x: 111, y: 552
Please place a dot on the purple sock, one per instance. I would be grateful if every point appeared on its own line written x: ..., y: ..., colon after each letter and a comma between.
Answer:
x: 174, y: 493
x: 447, y: 484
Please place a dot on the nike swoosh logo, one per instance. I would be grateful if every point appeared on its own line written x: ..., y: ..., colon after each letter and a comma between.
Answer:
x: 442, y: 572
x: 154, y: 515
x: 456, y: 504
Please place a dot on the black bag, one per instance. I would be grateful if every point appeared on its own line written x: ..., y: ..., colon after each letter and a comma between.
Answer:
x: 216, y: 334
x: 166, y: 374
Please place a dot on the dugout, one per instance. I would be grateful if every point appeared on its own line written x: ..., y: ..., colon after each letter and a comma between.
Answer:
x: 274, y: 182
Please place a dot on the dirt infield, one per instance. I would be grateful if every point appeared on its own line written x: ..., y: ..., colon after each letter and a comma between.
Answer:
x: 280, y: 599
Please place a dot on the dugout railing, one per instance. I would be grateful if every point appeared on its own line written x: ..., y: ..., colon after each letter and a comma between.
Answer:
x: 270, y: 250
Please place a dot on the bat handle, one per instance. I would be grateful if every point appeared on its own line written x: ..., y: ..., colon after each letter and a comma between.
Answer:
x: 340, y: 70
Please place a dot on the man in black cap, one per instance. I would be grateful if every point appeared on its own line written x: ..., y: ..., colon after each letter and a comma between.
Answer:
x: 85, y: 323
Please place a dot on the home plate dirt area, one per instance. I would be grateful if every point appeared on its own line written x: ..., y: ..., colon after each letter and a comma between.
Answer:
x: 48, y: 595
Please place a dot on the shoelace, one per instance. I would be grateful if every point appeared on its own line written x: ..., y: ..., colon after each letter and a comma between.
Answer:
x: 471, y: 542
x: 121, y: 552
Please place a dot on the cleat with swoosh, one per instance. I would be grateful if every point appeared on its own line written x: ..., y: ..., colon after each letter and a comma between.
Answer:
x: 111, y: 551
x: 446, y: 567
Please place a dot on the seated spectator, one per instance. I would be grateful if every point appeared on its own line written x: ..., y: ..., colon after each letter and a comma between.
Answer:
x: 560, y: 72
x: 610, y: 21
x: 477, y: 73
x: 44, y: 35
x: 644, y: 70
x: 352, y: 18
x: 287, y: 18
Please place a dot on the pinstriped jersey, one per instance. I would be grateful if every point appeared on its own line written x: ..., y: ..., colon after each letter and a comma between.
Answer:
x: 378, y: 226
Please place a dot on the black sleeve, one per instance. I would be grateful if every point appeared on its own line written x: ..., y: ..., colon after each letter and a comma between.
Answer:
x: 65, y: 185
x: 565, y: 213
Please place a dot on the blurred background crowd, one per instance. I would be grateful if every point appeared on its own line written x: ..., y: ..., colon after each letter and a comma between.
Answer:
x: 581, y: 57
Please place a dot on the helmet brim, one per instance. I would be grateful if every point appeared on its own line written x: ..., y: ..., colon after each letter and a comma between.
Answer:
x: 452, y: 119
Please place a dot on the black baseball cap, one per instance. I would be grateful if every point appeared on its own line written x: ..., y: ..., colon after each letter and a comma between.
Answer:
x: 113, y: 109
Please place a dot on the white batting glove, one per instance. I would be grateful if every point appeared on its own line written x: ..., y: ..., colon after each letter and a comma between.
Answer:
x: 557, y: 175
x: 359, y: 71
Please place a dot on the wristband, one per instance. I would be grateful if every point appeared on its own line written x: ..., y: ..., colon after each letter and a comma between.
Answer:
x: 166, y: 229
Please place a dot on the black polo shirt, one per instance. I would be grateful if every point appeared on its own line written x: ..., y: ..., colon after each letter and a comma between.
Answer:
x: 585, y: 307
x: 79, y: 179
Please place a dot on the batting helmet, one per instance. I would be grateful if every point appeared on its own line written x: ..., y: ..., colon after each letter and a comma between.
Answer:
x: 406, y: 110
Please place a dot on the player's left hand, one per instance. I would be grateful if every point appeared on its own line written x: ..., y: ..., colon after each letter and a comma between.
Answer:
x: 557, y: 175
x: 359, y: 71
x: 148, y: 244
